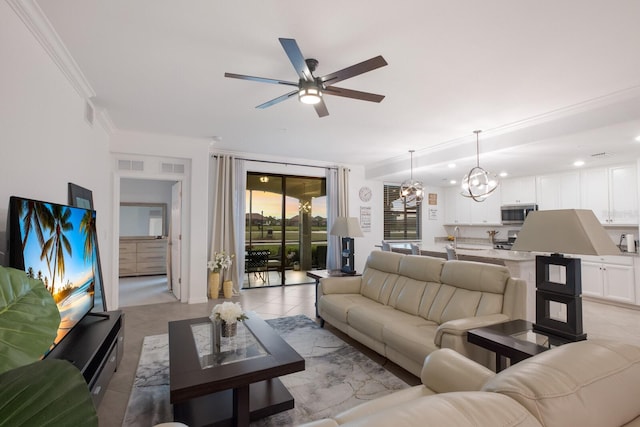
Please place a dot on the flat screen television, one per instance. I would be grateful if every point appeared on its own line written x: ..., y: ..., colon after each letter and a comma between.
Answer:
x: 56, y: 243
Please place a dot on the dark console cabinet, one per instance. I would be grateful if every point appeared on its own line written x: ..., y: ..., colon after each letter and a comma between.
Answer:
x: 95, y: 347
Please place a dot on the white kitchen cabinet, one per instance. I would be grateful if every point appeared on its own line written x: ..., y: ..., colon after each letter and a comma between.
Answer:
x: 612, y: 194
x: 463, y: 210
x: 456, y: 207
x: 558, y: 191
x: 518, y: 190
x: 623, y: 195
x: 487, y: 212
x: 610, y: 278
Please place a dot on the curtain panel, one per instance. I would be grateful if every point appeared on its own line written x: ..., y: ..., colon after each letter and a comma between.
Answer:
x: 227, y: 224
x: 337, y: 205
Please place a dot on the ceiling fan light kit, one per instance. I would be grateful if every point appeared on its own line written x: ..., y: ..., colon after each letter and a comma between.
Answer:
x: 309, y: 93
x: 310, y: 89
x: 412, y: 191
x: 479, y: 184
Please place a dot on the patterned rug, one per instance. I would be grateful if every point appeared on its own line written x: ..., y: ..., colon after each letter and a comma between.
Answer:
x: 337, y: 377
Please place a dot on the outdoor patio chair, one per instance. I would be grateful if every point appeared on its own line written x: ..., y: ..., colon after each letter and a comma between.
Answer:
x: 256, y: 263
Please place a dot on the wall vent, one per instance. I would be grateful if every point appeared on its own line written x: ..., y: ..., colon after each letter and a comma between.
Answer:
x: 130, y: 165
x: 172, y: 168
x: 601, y: 155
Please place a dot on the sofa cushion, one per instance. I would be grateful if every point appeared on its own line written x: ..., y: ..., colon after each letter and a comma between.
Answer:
x: 588, y: 383
x: 370, y: 319
x: 384, y: 261
x: 407, y: 294
x: 378, y: 285
x: 445, y: 370
x: 414, y: 341
x: 462, y: 304
x: 422, y: 268
x: 475, y: 276
x: 464, y: 409
x: 337, y: 306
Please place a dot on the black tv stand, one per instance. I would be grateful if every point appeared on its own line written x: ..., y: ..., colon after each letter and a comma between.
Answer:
x: 103, y: 315
x: 94, y: 346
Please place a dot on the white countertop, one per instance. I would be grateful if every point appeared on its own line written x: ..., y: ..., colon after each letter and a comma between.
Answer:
x: 483, y: 251
x: 486, y: 251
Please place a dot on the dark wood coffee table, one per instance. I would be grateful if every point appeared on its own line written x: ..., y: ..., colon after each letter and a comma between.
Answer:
x: 515, y: 340
x: 235, y: 386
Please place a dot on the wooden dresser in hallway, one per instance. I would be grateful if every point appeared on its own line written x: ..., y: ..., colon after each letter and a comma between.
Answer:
x: 142, y: 256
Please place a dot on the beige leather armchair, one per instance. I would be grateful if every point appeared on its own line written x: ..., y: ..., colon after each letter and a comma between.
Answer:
x: 582, y: 384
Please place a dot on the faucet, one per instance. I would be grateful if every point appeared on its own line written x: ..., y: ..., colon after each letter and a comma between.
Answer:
x: 456, y: 235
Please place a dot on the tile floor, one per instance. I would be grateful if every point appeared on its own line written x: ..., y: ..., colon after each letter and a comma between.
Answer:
x: 600, y: 321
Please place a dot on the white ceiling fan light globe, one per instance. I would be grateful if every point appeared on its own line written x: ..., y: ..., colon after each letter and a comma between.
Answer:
x: 310, y: 95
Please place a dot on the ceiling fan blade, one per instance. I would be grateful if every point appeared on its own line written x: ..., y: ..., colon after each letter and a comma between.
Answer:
x: 260, y: 79
x: 355, y: 94
x: 354, y: 70
x: 321, y: 108
x: 278, y: 99
x: 292, y: 50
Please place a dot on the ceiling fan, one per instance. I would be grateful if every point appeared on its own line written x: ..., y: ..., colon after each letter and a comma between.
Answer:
x: 310, y: 89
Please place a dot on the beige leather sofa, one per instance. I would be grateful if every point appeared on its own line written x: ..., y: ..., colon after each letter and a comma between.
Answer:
x: 582, y: 384
x: 406, y: 306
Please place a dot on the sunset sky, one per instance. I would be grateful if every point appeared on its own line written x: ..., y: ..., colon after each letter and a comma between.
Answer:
x: 270, y: 204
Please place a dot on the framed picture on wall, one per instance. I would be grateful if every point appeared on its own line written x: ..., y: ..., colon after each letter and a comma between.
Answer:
x: 83, y: 198
x: 80, y: 197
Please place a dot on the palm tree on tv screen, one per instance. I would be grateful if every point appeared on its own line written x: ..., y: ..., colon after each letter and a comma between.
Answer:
x: 58, y: 242
x: 88, y: 228
x: 37, y: 217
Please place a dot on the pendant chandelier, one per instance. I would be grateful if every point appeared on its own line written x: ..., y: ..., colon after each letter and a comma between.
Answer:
x: 478, y: 184
x: 412, y: 191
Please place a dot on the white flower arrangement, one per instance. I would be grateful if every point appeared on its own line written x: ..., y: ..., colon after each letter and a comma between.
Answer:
x: 229, y: 312
x: 220, y: 261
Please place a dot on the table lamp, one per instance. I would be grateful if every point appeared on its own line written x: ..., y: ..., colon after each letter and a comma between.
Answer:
x: 347, y: 228
x: 558, y: 232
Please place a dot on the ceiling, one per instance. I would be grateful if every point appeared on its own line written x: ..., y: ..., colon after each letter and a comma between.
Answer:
x: 547, y: 81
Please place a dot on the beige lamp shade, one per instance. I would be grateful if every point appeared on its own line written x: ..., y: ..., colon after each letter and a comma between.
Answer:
x: 346, y: 227
x: 565, y: 231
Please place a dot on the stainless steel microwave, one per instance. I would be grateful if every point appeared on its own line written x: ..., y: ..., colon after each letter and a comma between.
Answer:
x: 515, y: 214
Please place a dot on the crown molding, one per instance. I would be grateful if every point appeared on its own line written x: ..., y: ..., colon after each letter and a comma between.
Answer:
x: 39, y: 25
x: 35, y: 20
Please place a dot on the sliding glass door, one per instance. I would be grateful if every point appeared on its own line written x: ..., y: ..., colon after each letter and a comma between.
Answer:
x: 286, y: 229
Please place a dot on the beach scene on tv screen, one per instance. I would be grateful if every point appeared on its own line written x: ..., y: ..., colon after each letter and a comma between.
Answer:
x: 58, y: 244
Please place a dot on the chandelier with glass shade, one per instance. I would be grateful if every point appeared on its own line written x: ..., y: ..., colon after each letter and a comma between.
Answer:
x: 412, y: 191
x: 478, y: 184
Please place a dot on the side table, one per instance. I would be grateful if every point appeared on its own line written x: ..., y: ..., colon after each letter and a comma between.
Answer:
x: 322, y: 274
x: 515, y: 340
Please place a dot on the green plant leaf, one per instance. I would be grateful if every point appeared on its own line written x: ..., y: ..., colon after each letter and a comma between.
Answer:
x: 49, y: 392
x: 29, y: 319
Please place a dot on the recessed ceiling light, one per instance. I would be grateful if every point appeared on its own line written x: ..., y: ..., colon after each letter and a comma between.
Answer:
x: 638, y: 138
x: 451, y: 165
x: 578, y: 163
x: 503, y: 174
x: 453, y: 181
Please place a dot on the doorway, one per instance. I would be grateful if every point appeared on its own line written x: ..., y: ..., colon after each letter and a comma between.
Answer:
x: 285, y: 229
x: 148, y: 268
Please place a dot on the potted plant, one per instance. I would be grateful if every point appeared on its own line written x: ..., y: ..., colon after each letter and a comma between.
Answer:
x: 45, y: 392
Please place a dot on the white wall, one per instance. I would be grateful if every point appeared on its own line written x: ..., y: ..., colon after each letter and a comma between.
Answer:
x: 363, y: 246
x: 45, y: 141
x: 194, y: 153
x: 145, y: 191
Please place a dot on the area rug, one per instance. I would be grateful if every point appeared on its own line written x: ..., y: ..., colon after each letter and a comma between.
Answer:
x: 336, y: 377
